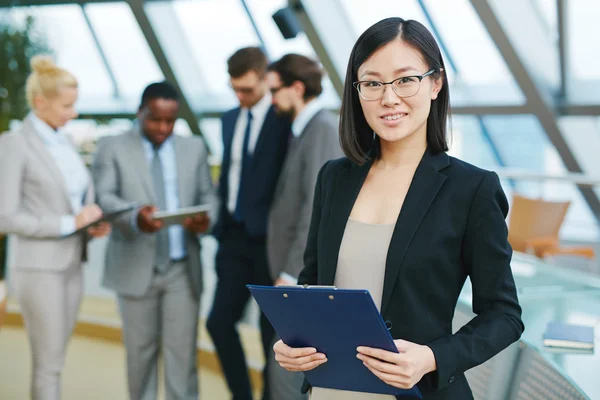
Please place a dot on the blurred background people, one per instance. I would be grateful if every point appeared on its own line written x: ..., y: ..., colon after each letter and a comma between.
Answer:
x: 295, y: 85
x: 47, y: 197
x: 156, y: 270
x: 255, y: 142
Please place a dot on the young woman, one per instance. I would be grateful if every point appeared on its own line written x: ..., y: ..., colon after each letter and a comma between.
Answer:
x: 401, y: 218
x: 47, y: 195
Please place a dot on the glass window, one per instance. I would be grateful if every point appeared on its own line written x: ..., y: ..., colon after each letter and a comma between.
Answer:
x: 583, y: 49
x: 476, y: 71
x: 59, y: 25
x: 468, y: 143
x: 583, y: 138
x: 201, y: 21
x: 523, y: 144
x: 474, y: 52
x: 125, y: 47
x: 262, y: 12
x: 547, y: 11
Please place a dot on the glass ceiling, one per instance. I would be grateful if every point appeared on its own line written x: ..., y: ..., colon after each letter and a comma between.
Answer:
x: 103, y: 44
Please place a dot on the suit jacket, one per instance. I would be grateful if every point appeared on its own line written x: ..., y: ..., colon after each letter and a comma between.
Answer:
x: 33, y: 199
x: 122, y: 177
x: 289, y: 218
x: 267, y: 161
x: 452, y: 225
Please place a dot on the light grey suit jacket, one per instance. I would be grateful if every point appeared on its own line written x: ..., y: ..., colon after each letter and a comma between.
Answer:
x: 289, y: 218
x: 33, y: 198
x: 122, y: 177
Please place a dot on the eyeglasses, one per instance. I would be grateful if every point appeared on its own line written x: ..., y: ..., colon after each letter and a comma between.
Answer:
x: 405, y: 86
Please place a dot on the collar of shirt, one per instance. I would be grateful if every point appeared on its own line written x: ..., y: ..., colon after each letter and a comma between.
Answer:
x: 261, y: 108
x: 48, y: 135
x: 149, y: 147
x: 307, y: 113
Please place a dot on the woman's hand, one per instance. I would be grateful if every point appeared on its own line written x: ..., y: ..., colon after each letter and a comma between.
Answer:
x: 402, y: 370
x: 87, y: 215
x: 300, y: 359
x: 99, y: 230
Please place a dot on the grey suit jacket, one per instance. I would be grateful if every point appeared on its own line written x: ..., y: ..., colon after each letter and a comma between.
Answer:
x: 122, y: 177
x: 33, y: 198
x: 289, y: 218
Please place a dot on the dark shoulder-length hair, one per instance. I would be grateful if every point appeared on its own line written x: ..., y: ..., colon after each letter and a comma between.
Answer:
x: 356, y: 137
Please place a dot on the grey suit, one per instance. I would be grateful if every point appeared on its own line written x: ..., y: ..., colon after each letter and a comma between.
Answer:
x: 289, y: 219
x: 153, y: 306
x: 47, y: 275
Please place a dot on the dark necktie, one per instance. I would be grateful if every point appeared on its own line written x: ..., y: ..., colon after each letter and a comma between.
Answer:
x: 162, y: 237
x: 246, y: 163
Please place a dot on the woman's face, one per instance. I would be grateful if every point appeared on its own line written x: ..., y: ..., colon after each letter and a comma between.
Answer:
x: 58, y: 110
x: 391, y: 117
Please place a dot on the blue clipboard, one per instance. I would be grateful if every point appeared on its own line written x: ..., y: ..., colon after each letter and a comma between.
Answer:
x: 335, y: 322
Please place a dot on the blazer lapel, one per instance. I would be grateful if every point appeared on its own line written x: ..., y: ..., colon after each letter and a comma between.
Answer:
x: 346, y: 191
x: 139, y: 160
x: 424, y: 187
x: 262, y: 136
x: 40, y: 148
x: 228, y: 132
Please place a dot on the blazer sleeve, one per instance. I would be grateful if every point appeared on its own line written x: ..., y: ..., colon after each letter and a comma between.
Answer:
x: 317, y: 153
x: 486, y: 255
x: 13, y: 219
x: 309, y: 275
x: 106, y: 181
x: 205, y: 192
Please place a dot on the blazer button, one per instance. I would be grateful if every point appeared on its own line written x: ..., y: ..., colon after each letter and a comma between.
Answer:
x: 451, y: 379
x: 388, y: 324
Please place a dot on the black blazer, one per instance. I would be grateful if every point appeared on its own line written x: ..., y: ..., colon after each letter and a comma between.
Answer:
x: 452, y: 225
x: 267, y: 161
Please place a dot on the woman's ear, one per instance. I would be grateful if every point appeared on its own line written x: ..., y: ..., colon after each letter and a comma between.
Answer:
x: 437, y: 85
x: 40, y: 102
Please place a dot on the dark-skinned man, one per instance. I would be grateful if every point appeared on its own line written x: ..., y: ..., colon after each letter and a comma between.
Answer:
x: 156, y: 270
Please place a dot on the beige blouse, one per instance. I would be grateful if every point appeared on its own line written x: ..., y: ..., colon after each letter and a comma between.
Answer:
x: 361, y: 265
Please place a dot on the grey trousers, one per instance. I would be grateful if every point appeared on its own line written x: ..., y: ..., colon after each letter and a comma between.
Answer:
x: 283, y: 384
x: 166, y: 319
x: 49, y: 303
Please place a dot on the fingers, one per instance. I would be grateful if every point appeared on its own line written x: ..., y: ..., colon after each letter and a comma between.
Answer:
x: 297, y: 359
x: 393, y: 380
x: 378, y: 353
x: 384, y: 366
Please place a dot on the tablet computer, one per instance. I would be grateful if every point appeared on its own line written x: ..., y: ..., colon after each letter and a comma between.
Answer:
x: 177, y: 217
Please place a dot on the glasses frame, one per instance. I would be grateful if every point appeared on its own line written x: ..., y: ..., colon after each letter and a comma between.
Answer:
x: 419, y: 77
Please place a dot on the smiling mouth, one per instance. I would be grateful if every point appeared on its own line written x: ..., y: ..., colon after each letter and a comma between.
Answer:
x: 394, y: 117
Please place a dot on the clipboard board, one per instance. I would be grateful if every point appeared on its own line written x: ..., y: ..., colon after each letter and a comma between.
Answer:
x: 335, y: 322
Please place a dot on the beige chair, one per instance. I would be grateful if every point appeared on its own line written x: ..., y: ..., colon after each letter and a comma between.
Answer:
x: 534, y: 225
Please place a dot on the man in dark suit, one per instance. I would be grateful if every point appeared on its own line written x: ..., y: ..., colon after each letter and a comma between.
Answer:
x: 255, y: 142
x: 295, y: 84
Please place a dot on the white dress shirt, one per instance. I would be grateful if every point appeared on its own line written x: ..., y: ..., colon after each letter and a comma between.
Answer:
x: 168, y: 159
x: 259, y: 112
x: 71, y: 166
x: 304, y: 117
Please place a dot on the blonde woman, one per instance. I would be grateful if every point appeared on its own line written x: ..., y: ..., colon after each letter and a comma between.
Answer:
x: 47, y: 195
